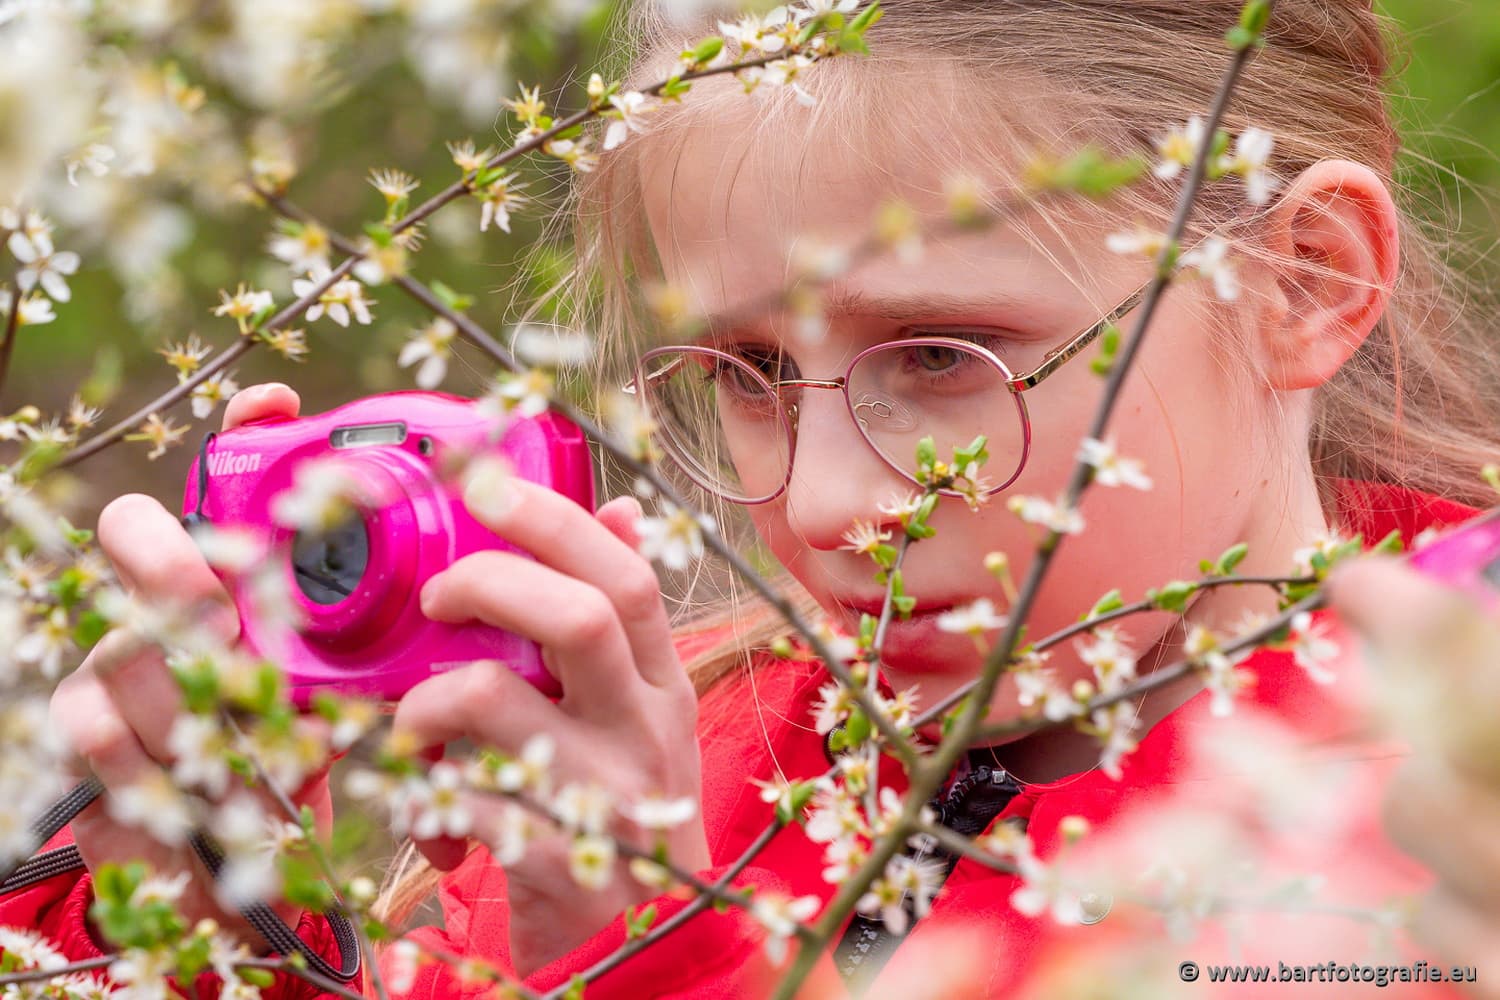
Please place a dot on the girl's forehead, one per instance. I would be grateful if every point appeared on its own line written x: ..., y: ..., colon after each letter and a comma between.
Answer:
x: 737, y: 207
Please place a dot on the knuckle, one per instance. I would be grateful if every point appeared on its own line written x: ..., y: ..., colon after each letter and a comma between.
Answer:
x: 591, y: 618
x: 640, y: 592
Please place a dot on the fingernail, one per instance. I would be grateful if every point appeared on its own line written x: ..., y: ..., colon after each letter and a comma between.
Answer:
x: 266, y: 389
x: 488, y: 493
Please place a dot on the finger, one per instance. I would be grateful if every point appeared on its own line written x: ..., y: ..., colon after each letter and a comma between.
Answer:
x: 156, y: 558
x: 483, y: 702
x: 1393, y: 604
x: 269, y: 399
x: 580, y: 629
x: 564, y: 536
x: 85, y: 715
x: 1463, y: 936
x: 1448, y: 822
x: 620, y: 516
x: 133, y: 674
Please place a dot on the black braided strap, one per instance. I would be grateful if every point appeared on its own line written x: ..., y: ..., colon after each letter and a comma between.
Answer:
x: 275, y: 931
x: 282, y: 939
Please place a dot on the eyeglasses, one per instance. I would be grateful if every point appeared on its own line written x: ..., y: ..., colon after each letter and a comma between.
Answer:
x: 731, y: 425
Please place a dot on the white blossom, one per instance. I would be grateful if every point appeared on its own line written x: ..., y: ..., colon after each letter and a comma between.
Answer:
x: 1111, y: 468
x: 94, y: 157
x: 498, y: 200
x: 531, y: 771
x: 432, y: 346
x: 583, y: 807
x: 1223, y: 678
x: 657, y: 812
x: 1053, y: 516
x: 198, y: 745
x: 1044, y: 891
x: 629, y: 111
x: 339, y: 300
x: 1311, y: 647
x: 1115, y: 728
x: 973, y: 619
x: 591, y: 860
x: 1179, y: 148
x: 780, y: 915
x: 1139, y: 242
x: 155, y: 804
x: 1252, y: 154
x: 1211, y: 258
x: 41, y: 265
x: 1113, y: 662
x: 904, y: 878
x: 35, y: 309
x: 211, y: 392
x: 674, y: 538
x: 441, y: 808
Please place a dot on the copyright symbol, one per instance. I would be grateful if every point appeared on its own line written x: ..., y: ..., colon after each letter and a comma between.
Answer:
x: 1188, y: 972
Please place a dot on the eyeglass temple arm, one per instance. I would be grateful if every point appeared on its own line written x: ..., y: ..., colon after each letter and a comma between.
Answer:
x: 666, y: 371
x: 1056, y: 357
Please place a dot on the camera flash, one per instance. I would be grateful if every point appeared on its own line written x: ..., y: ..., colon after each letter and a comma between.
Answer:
x: 367, y: 435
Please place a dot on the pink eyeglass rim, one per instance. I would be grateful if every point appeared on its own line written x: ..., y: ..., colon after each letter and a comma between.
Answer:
x: 684, y: 460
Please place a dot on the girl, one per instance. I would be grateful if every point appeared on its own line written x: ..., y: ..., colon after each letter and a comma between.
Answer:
x: 1343, y: 390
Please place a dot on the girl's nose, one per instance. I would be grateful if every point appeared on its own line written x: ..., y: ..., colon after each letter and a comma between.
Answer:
x: 836, y: 476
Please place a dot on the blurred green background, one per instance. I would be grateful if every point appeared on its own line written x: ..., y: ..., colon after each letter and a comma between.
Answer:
x: 363, y: 84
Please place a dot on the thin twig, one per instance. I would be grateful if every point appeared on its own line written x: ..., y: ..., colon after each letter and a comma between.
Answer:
x: 12, y: 322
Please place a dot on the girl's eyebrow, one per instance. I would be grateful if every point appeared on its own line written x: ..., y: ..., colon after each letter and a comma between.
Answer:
x: 898, y: 307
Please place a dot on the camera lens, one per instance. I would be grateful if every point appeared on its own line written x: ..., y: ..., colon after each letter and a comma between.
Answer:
x: 329, y: 564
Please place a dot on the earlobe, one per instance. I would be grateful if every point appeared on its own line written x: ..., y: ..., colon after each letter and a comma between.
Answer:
x: 1334, y: 237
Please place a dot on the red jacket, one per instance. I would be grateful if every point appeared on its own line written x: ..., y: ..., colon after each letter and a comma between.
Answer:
x: 974, y: 942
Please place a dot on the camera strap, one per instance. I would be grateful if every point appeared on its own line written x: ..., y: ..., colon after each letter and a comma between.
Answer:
x: 967, y: 808
x: 281, y: 938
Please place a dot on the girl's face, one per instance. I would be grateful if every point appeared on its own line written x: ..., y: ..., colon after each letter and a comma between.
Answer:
x: 725, y: 212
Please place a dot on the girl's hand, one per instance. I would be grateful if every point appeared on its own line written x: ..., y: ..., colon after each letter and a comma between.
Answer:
x: 627, y: 719
x: 117, y: 710
x: 1437, y: 658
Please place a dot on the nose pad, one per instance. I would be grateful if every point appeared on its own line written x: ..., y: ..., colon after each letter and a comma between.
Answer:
x: 835, y: 478
x: 879, y: 413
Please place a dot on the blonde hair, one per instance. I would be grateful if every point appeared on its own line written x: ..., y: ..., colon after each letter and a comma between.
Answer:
x: 1417, y: 404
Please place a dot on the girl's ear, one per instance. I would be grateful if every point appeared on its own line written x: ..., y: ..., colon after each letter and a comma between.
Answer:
x: 1334, y: 232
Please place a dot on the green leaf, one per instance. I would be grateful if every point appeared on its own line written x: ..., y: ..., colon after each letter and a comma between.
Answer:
x: 89, y: 629
x: 926, y: 452
x: 1231, y: 558
x: 457, y: 301
x: 673, y: 89
x: 857, y: 730
x: 1391, y: 544
x: 379, y: 233
x: 1172, y: 597
x: 1109, y: 602
x: 575, y: 988
x: 708, y: 48
x: 1255, y: 16
x: 263, y: 978
x: 638, y: 921
x: 866, y: 17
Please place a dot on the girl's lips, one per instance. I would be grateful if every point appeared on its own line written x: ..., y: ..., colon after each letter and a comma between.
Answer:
x: 874, y: 605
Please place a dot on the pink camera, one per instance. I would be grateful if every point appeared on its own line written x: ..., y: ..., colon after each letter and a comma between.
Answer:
x: 354, y: 583
x: 1466, y: 557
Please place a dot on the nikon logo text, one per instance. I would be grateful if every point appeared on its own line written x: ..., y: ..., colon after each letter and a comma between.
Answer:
x: 228, y: 463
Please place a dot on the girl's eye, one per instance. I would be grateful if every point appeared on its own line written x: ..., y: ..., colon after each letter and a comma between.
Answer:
x: 942, y: 359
